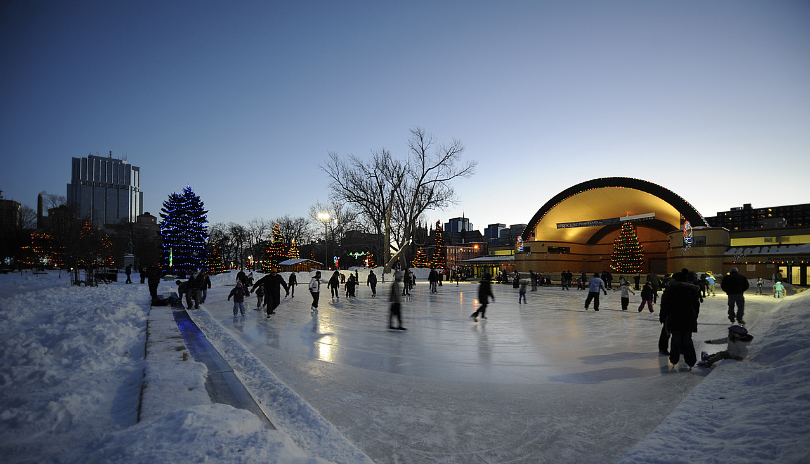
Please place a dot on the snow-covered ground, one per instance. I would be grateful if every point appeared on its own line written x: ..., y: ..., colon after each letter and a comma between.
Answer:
x: 72, y: 365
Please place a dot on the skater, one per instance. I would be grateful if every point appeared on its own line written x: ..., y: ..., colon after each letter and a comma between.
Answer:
x: 272, y: 290
x: 759, y: 286
x: 564, y: 281
x: 128, y: 272
x: 637, y: 280
x: 433, y: 278
x: 372, y: 282
x: 238, y: 294
x: 711, y: 283
x: 192, y: 292
x: 351, y: 283
x: 646, y: 297
x: 653, y: 279
x: 396, y: 304
x: 582, y: 279
x: 315, y: 290
x: 702, y: 284
x: 735, y: 285
x: 291, y: 283
x: 522, y: 292
x: 594, y: 285
x: 625, y: 290
x: 406, y: 282
x: 204, y: 284
x: 680, y: 307
x: 142, y: 274
x: 153, y: 277
x: 738, y: 338
x: 259, y: 296
x: 484, y: 294
x: 779, y: 290
x: 334, y: 285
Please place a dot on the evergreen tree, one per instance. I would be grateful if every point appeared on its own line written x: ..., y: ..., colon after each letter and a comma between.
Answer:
x: 293, y: 251
x: 438, y: 260
x: 420, y: 261
x: 184, y: 231
x: 628, y: 254
x: 214, y: 265
x: 275, y: 252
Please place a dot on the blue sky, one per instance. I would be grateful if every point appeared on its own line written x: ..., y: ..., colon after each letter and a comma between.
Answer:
x: 244, y: 100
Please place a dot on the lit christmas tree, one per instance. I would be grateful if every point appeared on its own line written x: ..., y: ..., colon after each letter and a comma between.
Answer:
x: 369, y: 261
x: 628, y: 254
x: 213, y: 265
x: 293, y: 251
x: 438, y: 260
x: 420, y: 261
x: 275, y: 252
x: 184, y: 231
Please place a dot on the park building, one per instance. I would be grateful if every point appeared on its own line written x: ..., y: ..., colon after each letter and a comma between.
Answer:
x: 578, y: 228
x: 105, y: 190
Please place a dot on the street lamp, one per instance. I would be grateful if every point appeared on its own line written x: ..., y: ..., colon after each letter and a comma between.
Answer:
x: 325, y: 217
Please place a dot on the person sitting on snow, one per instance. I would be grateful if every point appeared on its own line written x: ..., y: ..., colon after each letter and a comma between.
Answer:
x: 738, y: 338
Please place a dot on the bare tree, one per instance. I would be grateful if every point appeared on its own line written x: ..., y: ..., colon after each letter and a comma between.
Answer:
x: 259, y: 232
x: 392, y: 195
x: 239, y: 239
x: 29, y: 217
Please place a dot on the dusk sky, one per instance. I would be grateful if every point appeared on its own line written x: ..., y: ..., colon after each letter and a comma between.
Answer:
x: 244, y: 100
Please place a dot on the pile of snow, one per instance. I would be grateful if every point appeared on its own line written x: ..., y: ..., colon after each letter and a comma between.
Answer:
x: 751, y: 411
x: 71, y: 369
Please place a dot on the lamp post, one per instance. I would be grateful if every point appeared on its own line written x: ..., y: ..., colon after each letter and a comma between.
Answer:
x: 325, y: 217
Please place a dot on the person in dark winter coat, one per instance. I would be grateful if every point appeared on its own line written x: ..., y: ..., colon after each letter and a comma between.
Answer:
x: 735, y: 285
x: 372, y: 282
x: 272, y: 290
x: 680, y: 307
x: 238, y: 294
x: 334, y: 284
x: 128, y: 272
x: 192, y: 292
x: 484, y: 294
x: 204, y: 284
x: 153, y: 275
x: 291, y: 283
x: 646, y: 297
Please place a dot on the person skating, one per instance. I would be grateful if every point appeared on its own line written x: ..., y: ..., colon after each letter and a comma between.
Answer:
x: 484, y: 294
x: 372, y: 282
x: 238, y: 294
x: 646, y: 297
x: 395, y: 309
x: 594, y: 285
x: 522, y: 291
x: 272, y: 290
x: 291, y: 283
x: 735, y: 285
x: 128, y: 272
x: 625, y: 290
x: 259, y: 296
x: 334, y: 285
x: 315, y: 290
x: 680, y: 308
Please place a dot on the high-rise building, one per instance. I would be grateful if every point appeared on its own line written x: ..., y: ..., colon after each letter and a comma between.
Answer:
x: 747, y: 218
x: 105, y: 190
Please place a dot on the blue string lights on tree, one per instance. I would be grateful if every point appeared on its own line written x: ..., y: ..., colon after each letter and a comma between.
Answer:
x: 184, y: 232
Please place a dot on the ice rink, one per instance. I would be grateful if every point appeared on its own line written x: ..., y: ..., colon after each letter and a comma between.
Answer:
x: 544, y: 381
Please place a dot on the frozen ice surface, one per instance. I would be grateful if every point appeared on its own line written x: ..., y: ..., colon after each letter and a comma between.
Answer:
x: 545, y: 381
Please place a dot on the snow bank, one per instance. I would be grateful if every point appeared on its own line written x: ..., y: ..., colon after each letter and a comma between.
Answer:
x: 751, y: 411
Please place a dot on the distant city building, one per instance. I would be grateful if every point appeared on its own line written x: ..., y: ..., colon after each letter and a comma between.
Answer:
x: 509, y: 236
x: 460, y: 224
x: 493, y: 232
x: 10, y: 213
x: 747, y: 218
x: 105, y: 190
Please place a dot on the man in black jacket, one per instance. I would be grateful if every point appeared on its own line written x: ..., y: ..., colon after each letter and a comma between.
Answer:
x: 680, y: 306
x: 735, y: 285
x: 272, y: 290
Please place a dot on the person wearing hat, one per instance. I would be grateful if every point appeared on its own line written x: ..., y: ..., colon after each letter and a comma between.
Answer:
x: 680, y: 307
x: 738, y: 339
x: 735, y: 285
x: 238, y: 294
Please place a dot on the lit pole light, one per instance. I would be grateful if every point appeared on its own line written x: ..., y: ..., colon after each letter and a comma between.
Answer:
x: 325, y: 218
